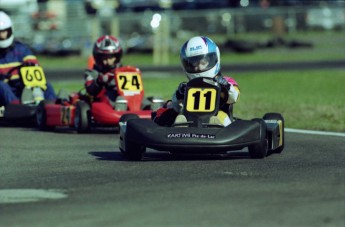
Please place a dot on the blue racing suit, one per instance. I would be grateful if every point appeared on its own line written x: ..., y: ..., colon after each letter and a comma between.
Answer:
x: 11, y: 87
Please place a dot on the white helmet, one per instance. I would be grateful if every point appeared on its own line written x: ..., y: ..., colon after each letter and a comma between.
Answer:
x: 200, y: 57
x: 6, y: 25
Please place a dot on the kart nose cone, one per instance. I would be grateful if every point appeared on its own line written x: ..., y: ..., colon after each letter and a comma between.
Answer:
x: 156, y: 103
x: 121, y: 104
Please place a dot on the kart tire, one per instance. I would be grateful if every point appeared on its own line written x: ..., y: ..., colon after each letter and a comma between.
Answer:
x: 134, y: 152
x: 259, y: 150
x: 277, y: 116
x: 123, y: 119
x: 82, y: 117
x: 41, y: 116
x: 126, y: 117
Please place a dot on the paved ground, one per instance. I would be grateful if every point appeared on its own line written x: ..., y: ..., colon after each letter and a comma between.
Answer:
x: 82, y: 180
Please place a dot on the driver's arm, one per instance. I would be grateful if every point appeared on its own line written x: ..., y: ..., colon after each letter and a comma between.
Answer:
x: 233, y: 91
x: 178, y: 97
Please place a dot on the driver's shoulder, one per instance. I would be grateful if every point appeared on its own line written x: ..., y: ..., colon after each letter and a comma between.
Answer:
x: 17, y: 44
x: 230, y: 79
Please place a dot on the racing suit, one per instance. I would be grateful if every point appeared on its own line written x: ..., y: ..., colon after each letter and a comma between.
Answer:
x: 167, y: 114
x: 10, y: 85
x: 97, y: 79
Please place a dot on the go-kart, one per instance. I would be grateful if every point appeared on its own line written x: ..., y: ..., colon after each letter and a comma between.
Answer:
x: 33, y: 83
x: 83, y: 112
x: 197, y: 136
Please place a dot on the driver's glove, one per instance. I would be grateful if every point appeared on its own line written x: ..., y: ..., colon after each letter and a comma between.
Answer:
x: 223, y: 82
x: 105, y: 78
x: 181, y: 90
x: 90, y: 74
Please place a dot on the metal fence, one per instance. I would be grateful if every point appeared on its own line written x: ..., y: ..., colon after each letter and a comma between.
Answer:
x: 65, y: 27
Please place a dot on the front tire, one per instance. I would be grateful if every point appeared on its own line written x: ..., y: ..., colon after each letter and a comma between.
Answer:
x: 277, y: 116
x: 259, y: 150
x: 134, y: 152
x: 82, y: 117
x: 122, y: 122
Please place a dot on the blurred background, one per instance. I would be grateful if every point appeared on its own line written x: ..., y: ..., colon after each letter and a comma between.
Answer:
x: 69, y: 27
x: 293, y: 49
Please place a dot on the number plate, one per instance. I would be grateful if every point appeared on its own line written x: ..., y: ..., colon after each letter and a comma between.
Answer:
x: 201, y: 100
x: 128, y: 81
x: 33, y: 76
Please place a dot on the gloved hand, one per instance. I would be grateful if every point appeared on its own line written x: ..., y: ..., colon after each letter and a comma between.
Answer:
x: 223, y: 82
x: 181, y: 90
x: 90, y: 74
x: 105, y: 78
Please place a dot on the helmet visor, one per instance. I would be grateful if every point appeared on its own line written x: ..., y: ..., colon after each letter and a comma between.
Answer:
x: 199, y: 63
x: 5, y: 34
x: 100, y: 58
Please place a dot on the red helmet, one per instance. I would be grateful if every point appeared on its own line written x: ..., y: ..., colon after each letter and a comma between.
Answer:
x: 107, y: 46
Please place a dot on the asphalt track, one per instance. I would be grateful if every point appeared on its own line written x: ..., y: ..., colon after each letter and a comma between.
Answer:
x: 62, y: 178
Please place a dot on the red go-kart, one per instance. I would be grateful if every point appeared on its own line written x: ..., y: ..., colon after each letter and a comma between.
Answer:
x: 82, y: 111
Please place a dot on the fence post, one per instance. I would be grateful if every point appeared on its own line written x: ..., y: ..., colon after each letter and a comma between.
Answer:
x: 161, y: 39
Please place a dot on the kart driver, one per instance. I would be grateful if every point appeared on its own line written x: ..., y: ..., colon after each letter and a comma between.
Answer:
x: 107, y: 54
x: 12, y: 54
x: 200, y: 57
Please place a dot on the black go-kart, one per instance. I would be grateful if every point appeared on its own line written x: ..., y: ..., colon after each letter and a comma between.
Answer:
x: 262, y: 136
x: 33, y: 82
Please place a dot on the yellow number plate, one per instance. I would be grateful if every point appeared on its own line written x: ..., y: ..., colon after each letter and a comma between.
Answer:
x: 201, y: 99
x: 128, y: 81
x: 33, y: 76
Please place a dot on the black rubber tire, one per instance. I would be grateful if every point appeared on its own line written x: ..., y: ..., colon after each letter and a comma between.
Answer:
x: 41, y: 116
x: 259, y: 150
x: 82, y: 117
x: 134, y: 152
x: 277, y: 116
x: 126, y: 117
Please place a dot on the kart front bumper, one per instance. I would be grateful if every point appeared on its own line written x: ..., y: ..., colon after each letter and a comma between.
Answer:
x: 236, y: 136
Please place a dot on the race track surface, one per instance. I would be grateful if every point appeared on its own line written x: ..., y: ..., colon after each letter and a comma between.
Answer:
x: 62, y: 178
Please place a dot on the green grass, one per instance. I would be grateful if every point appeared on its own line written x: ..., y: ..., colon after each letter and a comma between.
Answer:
x: 326, y: 46
x: 281, y: 54
x: 307, y: 99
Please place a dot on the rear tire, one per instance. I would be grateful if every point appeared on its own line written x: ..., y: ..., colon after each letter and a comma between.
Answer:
x: 41, y: 116
x: 259, y: 150
x: 277, y: 116
x: 82, y: 117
